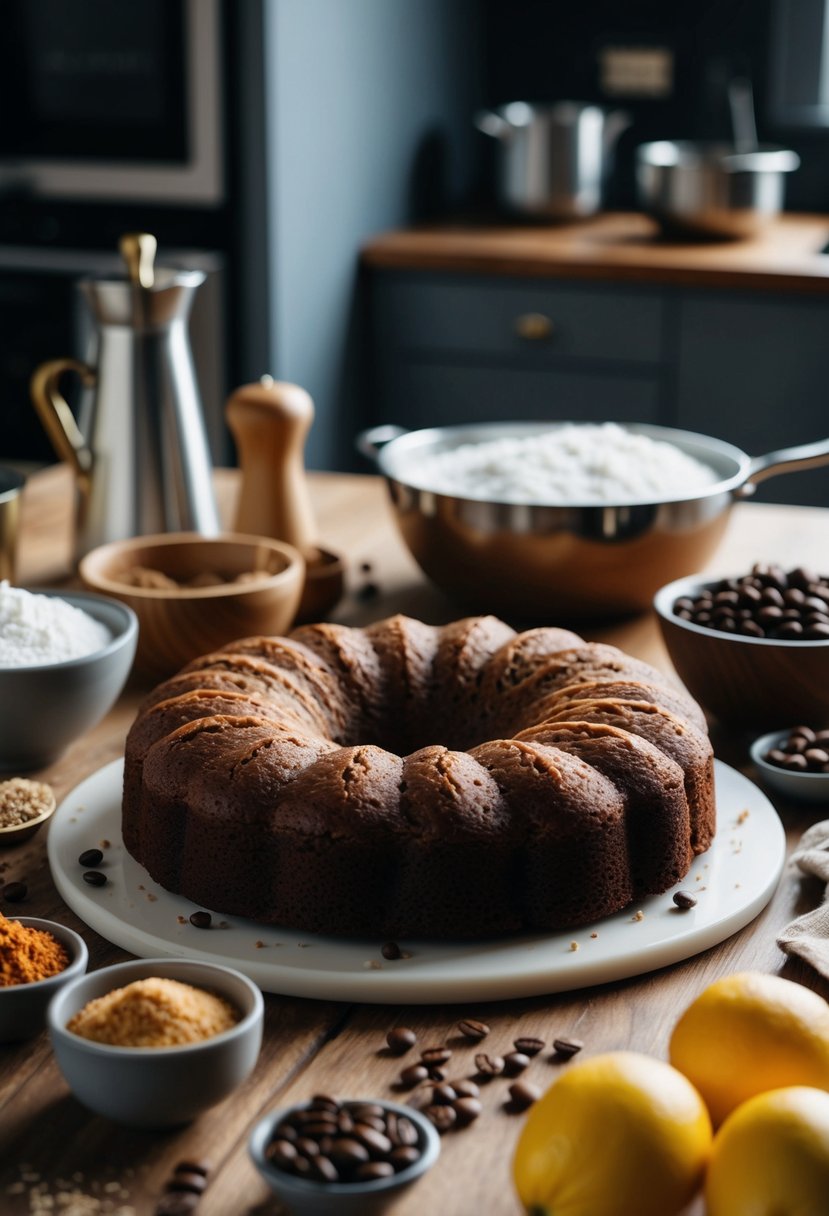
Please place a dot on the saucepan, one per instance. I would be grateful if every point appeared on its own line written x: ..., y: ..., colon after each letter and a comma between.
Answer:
x: 576, y: 562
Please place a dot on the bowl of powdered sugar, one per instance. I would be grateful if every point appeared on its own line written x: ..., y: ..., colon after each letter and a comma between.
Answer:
x: 64, y: 658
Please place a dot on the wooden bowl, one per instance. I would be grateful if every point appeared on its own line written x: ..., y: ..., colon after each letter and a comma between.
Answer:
x: 28, y: 791
x: 760, y: 684
x: 181, y: 622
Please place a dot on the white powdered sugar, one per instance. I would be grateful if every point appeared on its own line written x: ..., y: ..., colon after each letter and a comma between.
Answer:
x: 579, y: 464
x: 38, y: 629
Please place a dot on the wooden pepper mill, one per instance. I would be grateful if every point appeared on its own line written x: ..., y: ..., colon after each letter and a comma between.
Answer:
x: 270, y: 422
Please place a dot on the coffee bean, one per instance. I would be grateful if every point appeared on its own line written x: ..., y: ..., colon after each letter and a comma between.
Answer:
x: 391, y: 951
x: 403, y: 1156
x: 366, y: 1110
x: 376, y: 1143
x: 324, y: 1102
x: 684, y: 899
x: 181, y: 1181
x: 401, y: 1039
x: 90, y: 858
x: 435, y: 1056
x: 466, y: 1088
x: 766, y: 603
x: 307, y: 1146
x: 529, y: 1046
x: 401, y: 1131
x: 15, y: 892
x: 413, y: 1075
x: 489, y: 1066
x: 443, y: 1094
x: 472, y: 1029
x: 802, y: 751
x: 201, y: 920
x: 443, y: 1117
x: 94, y: 878
x: 323, y: 1169
x: 466, y: 1110
x: 177, y: 1203
x: 523, y: 1094
x: 374, y: 1169
x: 281, y: 1153
x: 515, y: 1062
x: 437, y: 1075
x: 347, y: 1153
x: 566, y: 1047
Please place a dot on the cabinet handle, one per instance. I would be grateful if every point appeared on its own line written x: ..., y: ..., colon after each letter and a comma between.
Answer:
x: 534, y: 327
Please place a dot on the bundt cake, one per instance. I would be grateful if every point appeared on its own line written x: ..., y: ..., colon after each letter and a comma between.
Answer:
x: 409, y: 780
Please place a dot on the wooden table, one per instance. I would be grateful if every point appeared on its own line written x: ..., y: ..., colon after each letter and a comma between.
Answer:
x: 310, y: 1046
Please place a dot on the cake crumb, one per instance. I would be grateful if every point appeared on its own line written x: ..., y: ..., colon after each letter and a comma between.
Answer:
x: 151, y: 897
x: 594, y: 935
x: 574, y: 946
x: 638, y: 915
x: 372, y: 965
x: 182, y: 920
x: 104, y: 844
x: 743, y: 816
x: 258, y: 945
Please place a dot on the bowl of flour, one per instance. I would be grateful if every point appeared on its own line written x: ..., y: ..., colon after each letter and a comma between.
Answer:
x: 564, y: 520
x: 64, y: 659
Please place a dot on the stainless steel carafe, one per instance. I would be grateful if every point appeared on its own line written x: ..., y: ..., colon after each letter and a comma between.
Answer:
x: 139, y: 448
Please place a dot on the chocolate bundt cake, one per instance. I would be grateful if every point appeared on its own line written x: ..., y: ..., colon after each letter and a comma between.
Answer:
x: 409, y: 780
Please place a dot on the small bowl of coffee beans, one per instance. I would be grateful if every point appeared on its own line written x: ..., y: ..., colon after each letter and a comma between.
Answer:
x: 752, y: 649
x: 795, y: 762
x: 350, y: 1156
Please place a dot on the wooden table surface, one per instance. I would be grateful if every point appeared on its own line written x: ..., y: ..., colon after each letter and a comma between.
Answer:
x: 50, y: 1144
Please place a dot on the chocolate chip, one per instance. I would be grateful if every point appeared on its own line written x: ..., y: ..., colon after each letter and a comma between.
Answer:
x: 489, y: 1066
x: 684, y: 900
x: 15, y: 892
x: 201, y: 920
x: 401, y: 1039
x: 435, y: 1056
x: 529, y: 1046
x: 472, y: 1029
x: 391, y: 951
x: 413, y: 1075
x: 94, y: 878
x: 566, y: 1048
x: 523, y: 1094
x: 90, y: 858
x: 443, y: 1117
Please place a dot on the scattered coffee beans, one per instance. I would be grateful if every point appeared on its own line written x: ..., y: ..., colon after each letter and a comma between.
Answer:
x: 15, y: 892
x: 443, y: 1117
x: 684, y: 900
x: 183, y: 1189
x: 566, y: 1048
x: 473, y: 1030
x: 803, y: 751
x: 769, y: 602
x: 523, y: 1094
x: 489, y: 1066
x: 413, y: 1075
x: 376, y: 1143
x: 433, y: 1057
x: 391, y: 951
x: 201, y: 920
x: 529, y: 1046
x: 467, y: 1110
x: 401, y: 1039
x: 94, y: 878
x: 515, y: 1062
x: 90, y: 858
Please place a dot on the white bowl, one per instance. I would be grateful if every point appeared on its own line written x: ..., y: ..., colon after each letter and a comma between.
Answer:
x: 805, y: 787
x: 46, y: 707
x: 157, y: 1086
x: 23, y: 1006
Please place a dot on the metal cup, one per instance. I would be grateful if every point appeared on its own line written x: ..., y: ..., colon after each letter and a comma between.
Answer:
x: 11, y: 484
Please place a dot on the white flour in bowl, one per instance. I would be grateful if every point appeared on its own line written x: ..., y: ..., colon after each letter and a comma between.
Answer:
x: 579, y: 464
x: 38, y: 629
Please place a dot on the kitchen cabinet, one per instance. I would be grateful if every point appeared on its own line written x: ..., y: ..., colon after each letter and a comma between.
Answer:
x: 730, y: 341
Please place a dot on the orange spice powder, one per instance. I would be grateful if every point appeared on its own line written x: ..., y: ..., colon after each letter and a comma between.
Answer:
x: 27, y: 954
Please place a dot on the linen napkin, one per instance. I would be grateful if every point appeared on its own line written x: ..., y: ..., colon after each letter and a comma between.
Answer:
x: 808, y: 935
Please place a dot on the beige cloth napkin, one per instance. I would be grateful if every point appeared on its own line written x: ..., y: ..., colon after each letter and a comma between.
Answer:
x: 808, y: 935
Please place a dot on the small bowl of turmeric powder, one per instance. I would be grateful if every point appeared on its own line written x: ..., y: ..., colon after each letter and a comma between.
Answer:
x: 154, y: 1042
x: 37, y: 959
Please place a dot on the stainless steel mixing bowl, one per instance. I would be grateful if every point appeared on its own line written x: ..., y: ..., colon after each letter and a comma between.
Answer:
x: 581, y: 561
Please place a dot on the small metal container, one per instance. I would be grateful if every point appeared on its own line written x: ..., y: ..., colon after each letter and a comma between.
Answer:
x: 712, y: 189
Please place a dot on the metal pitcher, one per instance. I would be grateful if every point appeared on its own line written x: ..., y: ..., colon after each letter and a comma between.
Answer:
x: 553, y: 159
x: 139, y: 448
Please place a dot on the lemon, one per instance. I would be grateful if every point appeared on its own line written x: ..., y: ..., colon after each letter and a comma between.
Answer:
x: 771, y: 1156
x: 750, y: 1032
x: 618, y: 1133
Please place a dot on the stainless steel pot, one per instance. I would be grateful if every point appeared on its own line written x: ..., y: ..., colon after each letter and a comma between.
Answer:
x: 712, y: 189
x: 553, y: 158
x: 577, y: 562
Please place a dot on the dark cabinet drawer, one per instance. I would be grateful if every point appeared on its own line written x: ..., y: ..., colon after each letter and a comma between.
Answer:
x: 518, y: 318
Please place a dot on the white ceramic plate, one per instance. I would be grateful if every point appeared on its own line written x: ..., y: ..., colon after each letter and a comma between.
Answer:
x: 732, y: 882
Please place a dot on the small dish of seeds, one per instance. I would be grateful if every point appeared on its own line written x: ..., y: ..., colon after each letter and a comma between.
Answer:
x: 24, y: 807
x: 347, y: 1156
x: 795, y: 762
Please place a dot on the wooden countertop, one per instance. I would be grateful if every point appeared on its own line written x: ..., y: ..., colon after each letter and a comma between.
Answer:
x: 618, y: 247
x: 50, y: 1143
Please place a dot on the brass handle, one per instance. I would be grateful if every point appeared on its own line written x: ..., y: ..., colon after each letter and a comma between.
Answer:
x: 55, y: 414
x: 534, y: 327
x: 138, y: 251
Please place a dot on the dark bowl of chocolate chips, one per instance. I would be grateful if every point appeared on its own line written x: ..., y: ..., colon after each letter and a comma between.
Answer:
x: 752, y: 649
x: 349, y: 1156
x: 794, y: 762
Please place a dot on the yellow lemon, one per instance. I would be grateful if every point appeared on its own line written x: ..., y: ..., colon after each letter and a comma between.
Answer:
x: 618, y: 1133
x: 750, y: 1032
x: 771, y: 1156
